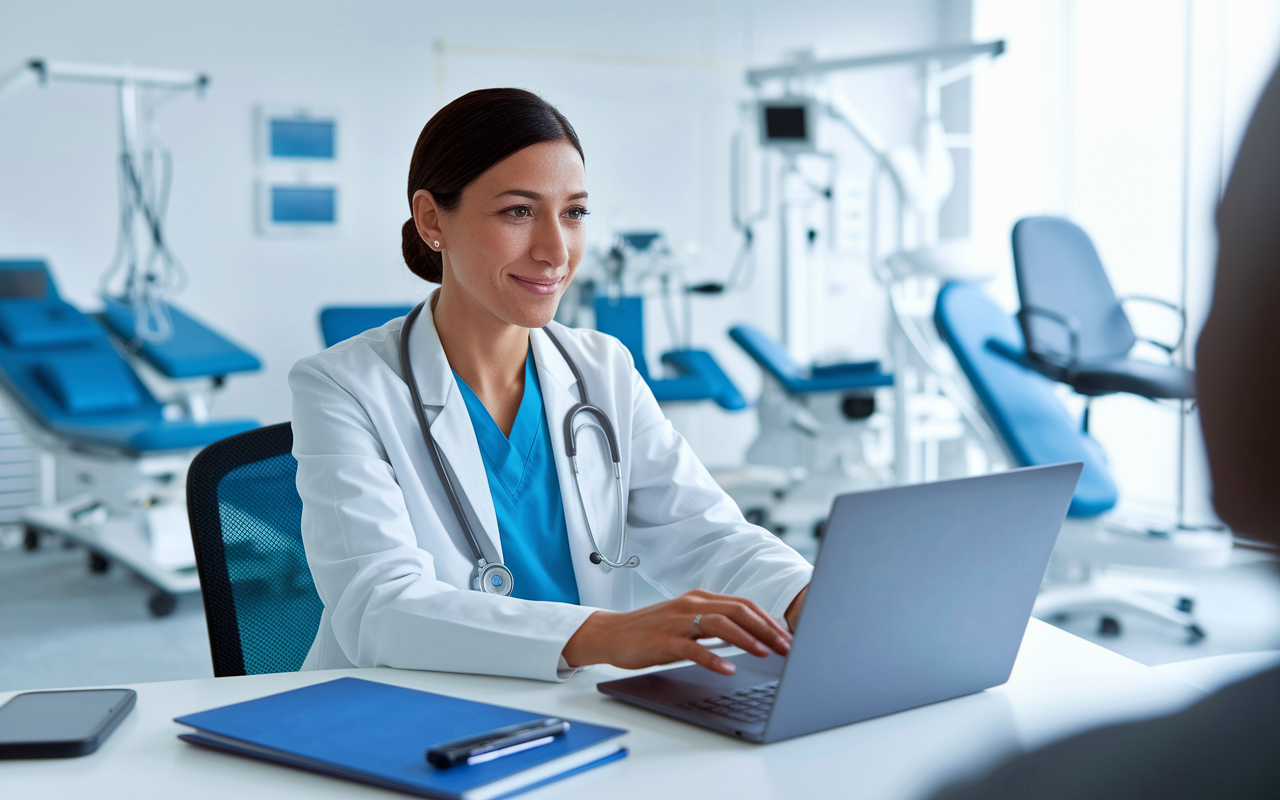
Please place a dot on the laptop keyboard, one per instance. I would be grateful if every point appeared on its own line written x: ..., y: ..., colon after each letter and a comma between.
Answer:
x: 748, y: 704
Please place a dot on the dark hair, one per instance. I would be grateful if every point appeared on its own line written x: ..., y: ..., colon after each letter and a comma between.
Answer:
x: 461, y: 142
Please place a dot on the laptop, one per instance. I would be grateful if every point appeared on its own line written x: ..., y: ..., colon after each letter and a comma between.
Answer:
x: 920, y: 594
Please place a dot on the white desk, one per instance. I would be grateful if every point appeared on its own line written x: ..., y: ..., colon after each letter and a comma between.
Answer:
x: 1061, y: 684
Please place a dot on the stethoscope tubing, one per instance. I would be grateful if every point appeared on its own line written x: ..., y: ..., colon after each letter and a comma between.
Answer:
x: 493, y: 577
x: 486, y: 571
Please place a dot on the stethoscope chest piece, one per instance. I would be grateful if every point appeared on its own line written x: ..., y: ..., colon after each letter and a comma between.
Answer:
x: 493, y: 578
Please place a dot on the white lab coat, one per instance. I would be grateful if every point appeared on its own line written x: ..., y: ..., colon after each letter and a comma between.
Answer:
x: 389, y: 558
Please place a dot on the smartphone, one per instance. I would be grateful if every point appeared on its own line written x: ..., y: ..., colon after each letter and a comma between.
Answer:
x: 61, y: 724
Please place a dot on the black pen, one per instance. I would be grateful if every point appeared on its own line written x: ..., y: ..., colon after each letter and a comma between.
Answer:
x: 496, y: 743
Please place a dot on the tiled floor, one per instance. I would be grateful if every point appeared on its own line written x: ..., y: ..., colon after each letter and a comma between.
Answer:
x: 62, y: 626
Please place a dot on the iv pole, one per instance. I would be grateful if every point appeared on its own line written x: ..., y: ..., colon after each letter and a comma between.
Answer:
x: 144, y: 173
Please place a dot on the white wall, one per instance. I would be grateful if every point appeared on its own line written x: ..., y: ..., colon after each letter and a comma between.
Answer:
x: 655, y: 117
x: 1124, y: 116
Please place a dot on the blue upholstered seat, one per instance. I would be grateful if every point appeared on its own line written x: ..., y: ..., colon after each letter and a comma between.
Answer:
x: 33, y: 323
x: 59, y: 367
x: 834, y: 378
x: 1032, y: 421
x: 698, y: 375
x: 339, y: 323
x: 88, y: 382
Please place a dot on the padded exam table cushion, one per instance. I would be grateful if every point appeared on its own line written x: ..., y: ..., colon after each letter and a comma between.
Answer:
x: 194, y: 351
x: 698, y: 377
x: 74, y: 383
x: 339, y: 323
x: 83, y: 383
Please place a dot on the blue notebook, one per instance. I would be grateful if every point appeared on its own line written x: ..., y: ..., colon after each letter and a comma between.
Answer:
x: 378, y: 734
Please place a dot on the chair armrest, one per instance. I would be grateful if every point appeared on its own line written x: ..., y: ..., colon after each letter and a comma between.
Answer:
x: 1068, y: 322
x: 1177, y: 309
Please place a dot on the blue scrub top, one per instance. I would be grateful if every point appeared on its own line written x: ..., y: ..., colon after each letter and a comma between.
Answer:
x: 526, y: 494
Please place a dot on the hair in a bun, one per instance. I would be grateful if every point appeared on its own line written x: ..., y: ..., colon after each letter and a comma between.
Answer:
x: 424, y: 262
x: 461, y: 142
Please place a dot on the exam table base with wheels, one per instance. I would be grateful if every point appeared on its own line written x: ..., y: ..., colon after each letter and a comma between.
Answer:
x: 120, y: 540
x: 129, y: 512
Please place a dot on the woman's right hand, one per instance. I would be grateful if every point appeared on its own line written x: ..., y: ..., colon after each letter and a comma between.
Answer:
x: 665, y: 632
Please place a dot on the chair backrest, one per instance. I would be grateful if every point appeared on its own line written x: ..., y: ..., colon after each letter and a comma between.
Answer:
x: 26, y: 277
x: 1021, y: 402
x: 339, y: 323
x: 246, y: 520
x: 623, y: 319
x: 1058, y: 270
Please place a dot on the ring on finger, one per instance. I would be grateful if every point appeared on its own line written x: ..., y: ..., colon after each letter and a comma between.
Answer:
x: 697, y: 623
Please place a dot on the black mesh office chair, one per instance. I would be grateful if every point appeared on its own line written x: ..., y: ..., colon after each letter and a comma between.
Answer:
x: 246, y: 520
x: 1075, y: 327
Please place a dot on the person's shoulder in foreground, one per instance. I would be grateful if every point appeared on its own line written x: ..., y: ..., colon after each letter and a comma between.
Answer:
x: 1225, y: 746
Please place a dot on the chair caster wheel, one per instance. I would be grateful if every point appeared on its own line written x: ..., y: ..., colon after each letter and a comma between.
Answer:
x: 98, y: 563
x: 161, y: 603
x: 818, y: 527
x: 1194, y: 634
x: 756, y: 516
x: 1108, y: 626
x: 1185, y: 604
x: 30, y: 539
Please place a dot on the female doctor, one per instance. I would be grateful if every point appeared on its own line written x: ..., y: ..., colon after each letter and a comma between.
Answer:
x: 446, y: 524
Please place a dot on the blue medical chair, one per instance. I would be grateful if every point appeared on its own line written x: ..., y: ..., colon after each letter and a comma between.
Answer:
x: 260, y: 603
x: 339, y: 323
x: 59, y: 367
x: 1076, y: 329
x: 1037, y: 429
x: 698, y: 375
x: 1032, y: 422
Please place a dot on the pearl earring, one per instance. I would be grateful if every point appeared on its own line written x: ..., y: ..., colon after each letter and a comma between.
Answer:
x: 437, y: 244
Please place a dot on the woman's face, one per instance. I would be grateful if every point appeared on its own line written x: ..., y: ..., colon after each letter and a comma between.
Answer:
x: 517, y: 236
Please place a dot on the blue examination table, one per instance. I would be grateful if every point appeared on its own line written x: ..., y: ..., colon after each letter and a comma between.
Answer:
x: 60, y: 367
x: 119, y: 454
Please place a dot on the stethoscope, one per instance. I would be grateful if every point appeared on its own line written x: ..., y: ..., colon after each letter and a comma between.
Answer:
x: 493, y: 577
